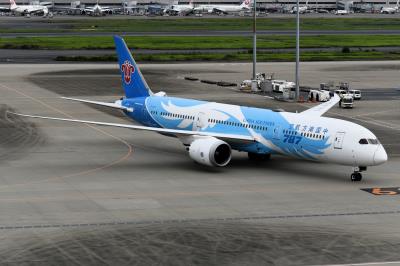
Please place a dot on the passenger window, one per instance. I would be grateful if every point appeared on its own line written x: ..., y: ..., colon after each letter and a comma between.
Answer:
x: 363, y: 141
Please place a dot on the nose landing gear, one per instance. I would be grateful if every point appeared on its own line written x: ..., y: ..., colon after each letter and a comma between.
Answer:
x: 356, y: 175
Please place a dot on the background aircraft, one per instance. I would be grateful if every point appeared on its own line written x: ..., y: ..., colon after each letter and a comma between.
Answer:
x: 177, y: 9
x: 390, y: 9
x: 27, y: 10
x: 211, y: 130
x: 245, y: 5
x: 98, y: 10
x: 302, y: 9
x: 95, y: 10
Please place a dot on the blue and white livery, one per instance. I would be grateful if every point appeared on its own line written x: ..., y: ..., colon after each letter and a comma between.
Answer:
x: 211, y: 130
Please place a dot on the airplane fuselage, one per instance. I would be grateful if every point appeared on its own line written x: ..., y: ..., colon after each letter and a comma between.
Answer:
x: 28, y: 9
x: 292, y: 134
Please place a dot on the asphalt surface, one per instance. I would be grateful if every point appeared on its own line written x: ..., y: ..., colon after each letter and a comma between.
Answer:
x: 76, y: 194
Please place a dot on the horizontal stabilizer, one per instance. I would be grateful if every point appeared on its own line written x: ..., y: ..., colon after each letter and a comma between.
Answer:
x: 112, y: 105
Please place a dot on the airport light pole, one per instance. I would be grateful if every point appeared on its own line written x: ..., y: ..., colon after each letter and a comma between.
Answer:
x: 254, y: 40
x: 297, y: 52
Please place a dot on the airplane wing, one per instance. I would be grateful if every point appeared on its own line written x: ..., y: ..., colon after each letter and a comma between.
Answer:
x: 112, y: 105
x: 322, y: 108
x: 218, y: 10
x: 232, y: 137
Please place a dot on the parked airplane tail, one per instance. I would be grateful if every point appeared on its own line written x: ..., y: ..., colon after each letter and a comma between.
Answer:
x: 246, y: 3
x: 132, y: 79
x: 12, y: 3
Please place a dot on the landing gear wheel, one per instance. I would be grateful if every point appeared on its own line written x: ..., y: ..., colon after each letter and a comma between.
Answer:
x: 258, y: 157
x: 355, y: 177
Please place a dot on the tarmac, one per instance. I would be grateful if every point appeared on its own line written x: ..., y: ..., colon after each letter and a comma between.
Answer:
x: 86, y: 195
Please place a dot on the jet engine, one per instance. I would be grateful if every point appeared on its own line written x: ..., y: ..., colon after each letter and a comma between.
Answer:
x: 210, y: 151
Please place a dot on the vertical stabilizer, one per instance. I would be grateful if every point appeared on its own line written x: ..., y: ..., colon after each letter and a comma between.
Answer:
x: 132, y: 79
x: 13, y: 4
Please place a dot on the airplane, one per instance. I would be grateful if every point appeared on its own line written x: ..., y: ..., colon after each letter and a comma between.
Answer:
x: 98, y: 10
x: 27, y: 10
x: 95, y: 10
x: 210, y: 130
x: 389, y: 9
x: 245, y: 5
x: 302, y: 9
x: 177, y: 9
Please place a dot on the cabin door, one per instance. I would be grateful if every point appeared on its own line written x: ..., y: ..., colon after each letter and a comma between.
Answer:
x: 339, y: 140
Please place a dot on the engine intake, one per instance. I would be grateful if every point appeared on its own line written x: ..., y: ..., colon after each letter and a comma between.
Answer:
x: 210, y: 151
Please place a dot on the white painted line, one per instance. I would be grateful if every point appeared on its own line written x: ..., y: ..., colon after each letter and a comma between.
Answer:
x: 364, y: 264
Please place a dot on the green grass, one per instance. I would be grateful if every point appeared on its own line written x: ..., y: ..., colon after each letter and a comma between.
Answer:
x: 234, y: 57
x: 205, y: 24
x: 177, y: 43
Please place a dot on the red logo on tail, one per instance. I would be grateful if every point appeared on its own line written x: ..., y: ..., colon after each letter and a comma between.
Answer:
x: 127, y: 69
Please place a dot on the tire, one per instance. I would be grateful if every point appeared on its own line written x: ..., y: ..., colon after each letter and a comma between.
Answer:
x: 356, y: 177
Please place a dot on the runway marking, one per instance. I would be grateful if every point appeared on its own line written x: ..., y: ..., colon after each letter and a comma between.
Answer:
x: 374, y: 113
x: 387, y: 191
x: 121, y: 159
x: 371, y: 121
x: 201, y: 220
x: 363, y: 263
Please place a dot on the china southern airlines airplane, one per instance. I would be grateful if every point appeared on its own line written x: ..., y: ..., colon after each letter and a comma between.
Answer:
x: 211, y: 130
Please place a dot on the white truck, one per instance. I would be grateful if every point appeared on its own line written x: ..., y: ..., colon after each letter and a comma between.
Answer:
x: 281, y: 85
x: 356, y: 94
x: 346, y: 101
x: 319, y: 95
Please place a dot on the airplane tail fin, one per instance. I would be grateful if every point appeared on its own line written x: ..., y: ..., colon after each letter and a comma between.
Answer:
x: 246, y: 3
x: 12, y: 3
x: 132, y: 79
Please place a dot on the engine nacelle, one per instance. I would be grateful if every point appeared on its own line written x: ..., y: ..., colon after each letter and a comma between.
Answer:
x: 210, y: 151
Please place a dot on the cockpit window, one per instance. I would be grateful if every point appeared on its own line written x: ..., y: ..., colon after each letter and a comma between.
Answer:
x: 373, y: 141
x: 363, y: 141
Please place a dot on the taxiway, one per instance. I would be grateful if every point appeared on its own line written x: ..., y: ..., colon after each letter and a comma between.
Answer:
x: 77, y: 194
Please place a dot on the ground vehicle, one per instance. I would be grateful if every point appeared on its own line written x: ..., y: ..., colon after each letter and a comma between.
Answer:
x: 340, y: 92
x: 356, y: 94
x: 346, y: 101
x: 319, y: 95
x: 342, y: 12
x: 280, y: 85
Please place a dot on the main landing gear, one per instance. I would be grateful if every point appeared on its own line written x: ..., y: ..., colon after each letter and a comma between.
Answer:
x: 356, y: 175
x: 258, y: 157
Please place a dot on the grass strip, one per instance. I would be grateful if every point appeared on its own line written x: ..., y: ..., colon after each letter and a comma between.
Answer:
x: 199, y: 42
x: 234, y: 57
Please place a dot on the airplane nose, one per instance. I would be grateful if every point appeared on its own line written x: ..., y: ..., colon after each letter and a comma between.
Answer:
x: 380, y: 155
